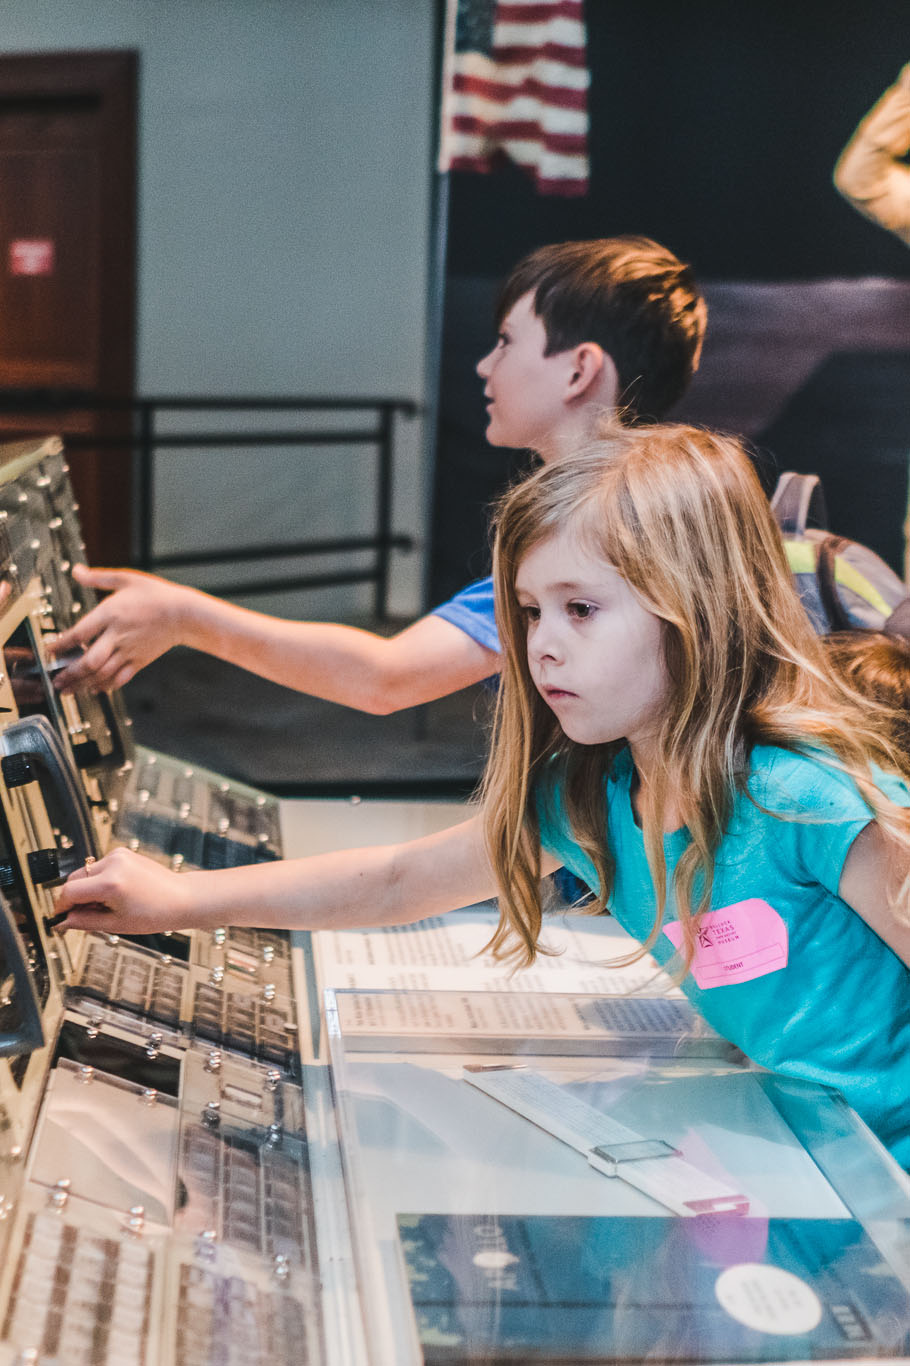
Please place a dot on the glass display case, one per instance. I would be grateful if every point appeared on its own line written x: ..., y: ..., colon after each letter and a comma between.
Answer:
x: 629, y: 1197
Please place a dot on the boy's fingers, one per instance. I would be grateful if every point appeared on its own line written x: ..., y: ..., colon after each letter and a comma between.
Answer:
x: 88, y: 666
x: 108, y: 580
x: 74, y: 636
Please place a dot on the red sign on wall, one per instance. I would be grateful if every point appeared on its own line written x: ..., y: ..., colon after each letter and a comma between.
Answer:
x: 31, y: 256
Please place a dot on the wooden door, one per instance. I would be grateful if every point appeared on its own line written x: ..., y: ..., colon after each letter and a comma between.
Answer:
x: 67, y: 270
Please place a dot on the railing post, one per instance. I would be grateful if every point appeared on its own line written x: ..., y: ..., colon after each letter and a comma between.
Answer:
x: 383, y: 510
x: 146, y: 444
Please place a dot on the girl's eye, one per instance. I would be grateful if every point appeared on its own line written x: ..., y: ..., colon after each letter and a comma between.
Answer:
x: 581, y: 610
x: 530, y: 614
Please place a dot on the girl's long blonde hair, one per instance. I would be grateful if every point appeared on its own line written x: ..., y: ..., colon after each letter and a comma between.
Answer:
x: 680, y: 514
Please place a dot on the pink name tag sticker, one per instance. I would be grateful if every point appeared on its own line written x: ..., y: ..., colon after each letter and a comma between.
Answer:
x: 736, y: 944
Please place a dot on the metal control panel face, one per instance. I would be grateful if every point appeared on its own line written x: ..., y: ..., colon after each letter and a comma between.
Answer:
x: 209, y: 1006
x: 39, y: 519
x: 188, y: 816
x: 155, y: 1190
x: 161, y: 806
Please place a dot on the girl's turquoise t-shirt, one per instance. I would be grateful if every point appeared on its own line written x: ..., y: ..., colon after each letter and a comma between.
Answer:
x: 784, y: 968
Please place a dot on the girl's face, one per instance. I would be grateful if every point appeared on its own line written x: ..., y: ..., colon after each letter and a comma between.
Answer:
x: 594, y: 652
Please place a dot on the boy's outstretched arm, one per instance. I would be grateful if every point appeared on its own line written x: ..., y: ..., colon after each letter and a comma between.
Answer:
x: 145, y: 616
x: 390, y: 885
x: 871, y: 876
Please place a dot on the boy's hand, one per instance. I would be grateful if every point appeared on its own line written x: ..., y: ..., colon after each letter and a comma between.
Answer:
x: 124, y: 892
x: 141, y: 620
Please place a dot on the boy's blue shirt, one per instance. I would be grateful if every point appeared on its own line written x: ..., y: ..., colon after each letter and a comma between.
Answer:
x: 787, y: 970
x: 472, y: 611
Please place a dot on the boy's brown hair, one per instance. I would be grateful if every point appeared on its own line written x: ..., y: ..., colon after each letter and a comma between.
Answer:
x: 630, y: 295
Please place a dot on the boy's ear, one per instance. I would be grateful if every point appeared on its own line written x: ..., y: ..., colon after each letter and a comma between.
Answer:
x: 592, y: 371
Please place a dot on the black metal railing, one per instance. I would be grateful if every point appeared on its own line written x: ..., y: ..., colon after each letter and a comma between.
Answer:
x: 145, y: 439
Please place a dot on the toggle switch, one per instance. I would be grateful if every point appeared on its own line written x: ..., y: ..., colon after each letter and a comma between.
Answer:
x: 16, y: 770
x: 43, y: 866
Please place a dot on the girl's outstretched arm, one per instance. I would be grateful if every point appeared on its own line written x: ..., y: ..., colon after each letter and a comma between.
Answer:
x: 355, y: 888
x: 873, y: 871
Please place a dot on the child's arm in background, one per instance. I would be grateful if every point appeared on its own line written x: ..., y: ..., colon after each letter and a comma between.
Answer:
x: 871, y: 874
x: 145, y: 616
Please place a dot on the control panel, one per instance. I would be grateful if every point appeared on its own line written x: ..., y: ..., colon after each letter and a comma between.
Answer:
x: 156, y: 1198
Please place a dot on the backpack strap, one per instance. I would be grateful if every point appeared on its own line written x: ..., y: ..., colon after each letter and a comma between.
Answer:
x: 825, y: 572
x: 797, y: 499
x: 898, y: 624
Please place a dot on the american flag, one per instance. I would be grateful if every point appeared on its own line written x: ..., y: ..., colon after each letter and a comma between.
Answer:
x: 515, y: 84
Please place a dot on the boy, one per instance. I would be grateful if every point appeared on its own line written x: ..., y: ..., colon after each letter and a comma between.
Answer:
x: 586, y: 329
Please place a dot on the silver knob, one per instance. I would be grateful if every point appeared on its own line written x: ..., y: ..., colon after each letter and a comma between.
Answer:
x: 213, y: 1061
x: 135, y: 1220
x: 59, y: 1194
x: 268, y: 953
x: 268, y: 991
x: 219, y: 936
x: 149, y: 1095
x: 274, y: 1134
x: 211, y: 1115
x: 177, y: 861
x: 281, y: 1267
x: 86, y: 1074
x: 216, y: 975
x: 273, y: 1079
x: 154, y: 1043
x: 205, y: 1243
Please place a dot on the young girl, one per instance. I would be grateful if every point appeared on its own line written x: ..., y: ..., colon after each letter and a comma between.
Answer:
x: 667, y: 729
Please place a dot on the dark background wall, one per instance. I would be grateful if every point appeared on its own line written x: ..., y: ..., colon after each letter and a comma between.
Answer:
x: 715, y: 125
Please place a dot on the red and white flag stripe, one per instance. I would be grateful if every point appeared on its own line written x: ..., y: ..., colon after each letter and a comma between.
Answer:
x: 525, y: 99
